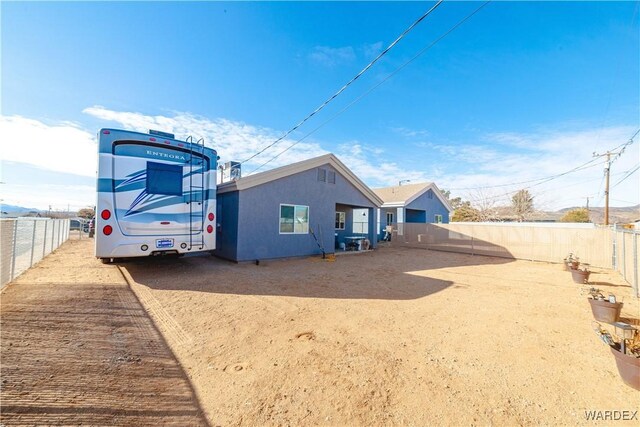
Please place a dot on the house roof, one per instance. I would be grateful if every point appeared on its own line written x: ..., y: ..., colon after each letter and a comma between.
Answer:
x: 294, y: 168
x: 402, y: 195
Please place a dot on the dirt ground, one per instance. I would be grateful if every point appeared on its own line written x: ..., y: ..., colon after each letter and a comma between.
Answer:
x: 77, y: 348
x: 391, y: 337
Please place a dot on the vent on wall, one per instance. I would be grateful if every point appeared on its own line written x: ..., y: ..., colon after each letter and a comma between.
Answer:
x: 332, y: 177
x: 322, y: 175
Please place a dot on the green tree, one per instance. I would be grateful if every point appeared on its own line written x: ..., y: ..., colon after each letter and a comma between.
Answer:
x: 466, y: 213
x: 87, y: 213
x: 455, y: 202
x: 522, y: 204
x: 576, y: 215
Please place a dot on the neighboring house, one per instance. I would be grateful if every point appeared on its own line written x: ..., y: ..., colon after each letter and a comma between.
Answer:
x: 276, y: 214
x: 412, y: 203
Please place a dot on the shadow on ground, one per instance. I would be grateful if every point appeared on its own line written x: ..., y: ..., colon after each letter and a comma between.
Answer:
x: 372, y: 275
x: 86, y: 354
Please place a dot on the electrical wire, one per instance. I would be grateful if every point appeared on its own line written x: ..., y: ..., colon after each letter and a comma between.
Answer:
x: 371, y: 89
x: 629, y: 173
x: 343, y: 88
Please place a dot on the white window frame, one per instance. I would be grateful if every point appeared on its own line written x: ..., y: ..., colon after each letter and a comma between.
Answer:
x: 437, y: 219
x: 344, y: 220
x: 389, y: 215
x: 295, y: 208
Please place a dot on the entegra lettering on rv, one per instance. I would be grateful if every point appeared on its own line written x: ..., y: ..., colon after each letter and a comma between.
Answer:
x: 166, y: 155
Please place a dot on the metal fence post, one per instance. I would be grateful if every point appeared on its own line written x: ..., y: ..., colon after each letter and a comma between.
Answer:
x: 624, y: 256
x: 33, y: 243
x: 13, y: 251
x: 44, y: 243
x: 615, y: 247
x: 635, y: 264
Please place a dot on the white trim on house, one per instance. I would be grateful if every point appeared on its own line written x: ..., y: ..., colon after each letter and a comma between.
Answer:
x: 294, y: 206
x: 427, y: 186
x: 285, y: 171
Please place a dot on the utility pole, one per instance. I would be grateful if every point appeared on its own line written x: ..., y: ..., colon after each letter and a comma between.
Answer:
x: 607, y: 169
x: 588, y: 209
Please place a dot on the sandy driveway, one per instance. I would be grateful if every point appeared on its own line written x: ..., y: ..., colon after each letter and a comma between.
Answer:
x: 393, y: 337
x: 77, y: 348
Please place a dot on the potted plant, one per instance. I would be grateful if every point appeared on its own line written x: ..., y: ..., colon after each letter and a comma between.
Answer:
x: 626, y: 351
x: 580, y: 275
x: 604, y: 309
x: 571, y: 262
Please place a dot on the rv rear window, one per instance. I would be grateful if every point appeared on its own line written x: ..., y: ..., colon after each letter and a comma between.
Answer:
x: 164, y: 179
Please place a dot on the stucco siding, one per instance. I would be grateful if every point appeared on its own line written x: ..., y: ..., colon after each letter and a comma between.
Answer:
x: 258, y: 216
x: 431, y: 206
x: 227, y: 225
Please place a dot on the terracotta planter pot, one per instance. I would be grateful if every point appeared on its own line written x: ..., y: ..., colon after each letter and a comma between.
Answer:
x: 628, y: 368
x: 604, y: 311
x: 580, y: 276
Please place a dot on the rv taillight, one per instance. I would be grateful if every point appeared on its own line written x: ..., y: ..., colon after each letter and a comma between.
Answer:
x: 105, y: 214
x: 211, y: 216
x: 105, y: 132
x: 152, y: 139
x: 209, y: 229
x: 107, y: 230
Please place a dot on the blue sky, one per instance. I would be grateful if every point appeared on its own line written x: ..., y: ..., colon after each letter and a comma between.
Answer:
x: 520, y: 91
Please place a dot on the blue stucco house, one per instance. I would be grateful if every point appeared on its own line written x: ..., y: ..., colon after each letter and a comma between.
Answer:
x: 411, y: 203
x: 295, y: 210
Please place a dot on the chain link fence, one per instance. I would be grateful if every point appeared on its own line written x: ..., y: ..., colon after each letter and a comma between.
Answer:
x: 25, y: 241
x: 625, y: 255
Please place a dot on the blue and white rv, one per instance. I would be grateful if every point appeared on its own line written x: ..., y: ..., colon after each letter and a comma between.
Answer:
x: 156, y: 195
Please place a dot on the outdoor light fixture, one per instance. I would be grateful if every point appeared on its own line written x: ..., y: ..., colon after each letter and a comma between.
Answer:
x: 624, y: 331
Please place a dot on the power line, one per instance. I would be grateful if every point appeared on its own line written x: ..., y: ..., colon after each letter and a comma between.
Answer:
x: 358, y: 99
x: 586, y: 165
x: 343, y: 88
x: 629, y: 173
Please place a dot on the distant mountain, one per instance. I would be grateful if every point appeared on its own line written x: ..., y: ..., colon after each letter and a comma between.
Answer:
x: 623, y: 215
x: 14, y: 208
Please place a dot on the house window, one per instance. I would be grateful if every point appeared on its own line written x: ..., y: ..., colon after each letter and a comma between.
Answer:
x: 340, y: 220
x: 164, y: 179
x: 322, y: 175
x: 294, y: 219
x: 389, y: 218
x: 332, y: 177
x: 430, y: 194
x: 438, y: 219
x: 360, y: 221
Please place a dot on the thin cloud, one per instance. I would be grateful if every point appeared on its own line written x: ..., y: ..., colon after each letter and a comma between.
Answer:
x: 498, y: 159
x: 372, y: 50
x: 61, y: 147
x: 332, y: 56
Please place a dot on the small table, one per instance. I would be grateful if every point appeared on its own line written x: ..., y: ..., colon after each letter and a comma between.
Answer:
x: 355, y: 239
